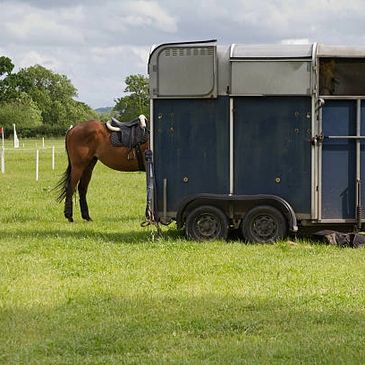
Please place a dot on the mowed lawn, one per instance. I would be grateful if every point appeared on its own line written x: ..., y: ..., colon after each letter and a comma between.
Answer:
x: 106, y: 292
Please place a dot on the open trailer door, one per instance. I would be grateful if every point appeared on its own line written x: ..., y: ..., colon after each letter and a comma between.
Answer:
x: 342, y: 151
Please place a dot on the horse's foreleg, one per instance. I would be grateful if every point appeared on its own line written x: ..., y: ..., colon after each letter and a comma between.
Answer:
x: 82, y: 188
x: 70, y: 189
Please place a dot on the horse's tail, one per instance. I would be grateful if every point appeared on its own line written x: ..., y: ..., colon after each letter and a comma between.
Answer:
x: 64, y: 181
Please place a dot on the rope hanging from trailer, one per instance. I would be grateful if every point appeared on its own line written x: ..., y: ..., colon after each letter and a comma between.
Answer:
x: 150, y: 213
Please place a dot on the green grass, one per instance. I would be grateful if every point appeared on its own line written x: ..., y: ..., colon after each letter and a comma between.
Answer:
x: 105, y: 292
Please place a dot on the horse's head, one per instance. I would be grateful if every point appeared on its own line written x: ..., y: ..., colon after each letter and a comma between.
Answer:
x: 327, y: 80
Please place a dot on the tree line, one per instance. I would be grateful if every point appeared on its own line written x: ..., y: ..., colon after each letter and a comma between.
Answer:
x: 42, y: 102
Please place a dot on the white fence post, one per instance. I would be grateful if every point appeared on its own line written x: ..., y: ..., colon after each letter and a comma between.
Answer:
x: 2, y: 160
x: 53, y: 161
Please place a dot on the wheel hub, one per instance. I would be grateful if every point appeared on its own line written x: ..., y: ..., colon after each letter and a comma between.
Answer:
x: 264, y: 226
x: 207, y: 226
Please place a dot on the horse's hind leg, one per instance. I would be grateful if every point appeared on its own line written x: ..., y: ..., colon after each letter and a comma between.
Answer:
x: 82, y: 188
x: 68, y: 210
x: 75, y: 176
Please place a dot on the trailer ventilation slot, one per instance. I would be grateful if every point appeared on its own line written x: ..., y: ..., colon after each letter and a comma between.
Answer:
x: 205, y: 51
x: 186, y: 72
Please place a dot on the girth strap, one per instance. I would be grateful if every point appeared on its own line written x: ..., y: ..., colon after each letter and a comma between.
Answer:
x: 141, y: 165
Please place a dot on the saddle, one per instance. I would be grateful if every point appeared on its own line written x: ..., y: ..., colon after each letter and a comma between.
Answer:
x: 128, y: 134
x: 117, y: 124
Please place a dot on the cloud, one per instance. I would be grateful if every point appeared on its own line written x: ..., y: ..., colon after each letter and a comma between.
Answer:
x: 35, y: 58
x: 26, y: 25
x: 295, y: 41
x: 40, y: 29
x: 102, y: 78
x: 150, y: 13
x: 79, y: 22
x: 98, y: 43
x: 95, y: 45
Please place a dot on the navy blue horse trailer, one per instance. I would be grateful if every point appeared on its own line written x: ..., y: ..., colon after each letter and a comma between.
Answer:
x: 265, y: 139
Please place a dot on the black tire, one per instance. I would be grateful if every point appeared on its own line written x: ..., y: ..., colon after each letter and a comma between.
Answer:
x: 206, y: 223
x: 264, y: 224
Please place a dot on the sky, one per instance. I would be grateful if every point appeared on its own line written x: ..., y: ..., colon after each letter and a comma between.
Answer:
x: 97, y: 43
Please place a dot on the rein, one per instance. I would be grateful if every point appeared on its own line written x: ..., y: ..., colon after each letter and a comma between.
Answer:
x: 138, y: 150
x: 139, y: 155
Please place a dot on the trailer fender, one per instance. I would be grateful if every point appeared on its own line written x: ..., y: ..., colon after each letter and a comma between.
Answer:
x: 227, y: 204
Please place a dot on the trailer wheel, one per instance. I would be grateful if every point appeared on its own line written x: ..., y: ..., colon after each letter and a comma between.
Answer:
x: 264, y: 224
x: 206, y: 223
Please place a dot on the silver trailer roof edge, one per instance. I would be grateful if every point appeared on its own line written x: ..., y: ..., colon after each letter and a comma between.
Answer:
x: 155, y: 48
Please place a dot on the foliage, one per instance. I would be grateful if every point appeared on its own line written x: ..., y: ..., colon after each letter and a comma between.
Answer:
x: 106, y: 113
x: 137, y: 102
x: 54, y: 95
x: 6, y: 66
x: 8, y: 80
x: 48, y: 97
x: 71, y: 112
x: 106, y: 293
x: 36, y: 95
x: 23, y: 111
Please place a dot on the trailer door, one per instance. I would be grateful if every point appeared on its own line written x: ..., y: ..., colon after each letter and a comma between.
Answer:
x: 343, y: 148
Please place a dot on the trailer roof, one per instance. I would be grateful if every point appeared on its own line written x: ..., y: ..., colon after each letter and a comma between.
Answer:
x: 271, y: 51
x: 284, y: 51
x: 242, y: 51
x: 341, y: 51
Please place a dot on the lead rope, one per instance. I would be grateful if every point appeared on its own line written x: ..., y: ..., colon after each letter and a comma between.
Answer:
x: 150, y: 220
x: 150, y: 214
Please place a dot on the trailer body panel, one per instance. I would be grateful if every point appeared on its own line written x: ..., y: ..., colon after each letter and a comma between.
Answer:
x: 272, y: 148
x: 191, y: 148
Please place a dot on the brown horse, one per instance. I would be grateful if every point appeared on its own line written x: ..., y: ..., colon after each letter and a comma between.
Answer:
x: 90, y: 141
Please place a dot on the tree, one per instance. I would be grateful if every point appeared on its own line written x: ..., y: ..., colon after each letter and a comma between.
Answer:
x: 71, y: 112
x: 36, y: 95
x: 15, y: 106
x: 137, y: 101
x: 54, y: 94
x: 22, y: 111
x: 48, y: 89
x: 8, y: 80
x: 6, y: 66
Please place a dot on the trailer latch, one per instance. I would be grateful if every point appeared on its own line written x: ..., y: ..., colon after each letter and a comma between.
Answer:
x: 318, y: 138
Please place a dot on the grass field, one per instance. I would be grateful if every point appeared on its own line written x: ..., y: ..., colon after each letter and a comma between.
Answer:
x: 105, y: 292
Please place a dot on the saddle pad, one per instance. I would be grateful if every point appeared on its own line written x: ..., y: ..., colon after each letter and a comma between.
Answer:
x: 116, y: 141
x: 128, y: 137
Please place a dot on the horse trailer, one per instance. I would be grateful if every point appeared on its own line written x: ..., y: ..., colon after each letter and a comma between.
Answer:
x: 265, y: 139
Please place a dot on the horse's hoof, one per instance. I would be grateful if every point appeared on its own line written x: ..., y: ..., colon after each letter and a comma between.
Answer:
x: 88, y: 219
x: 70, y: 219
